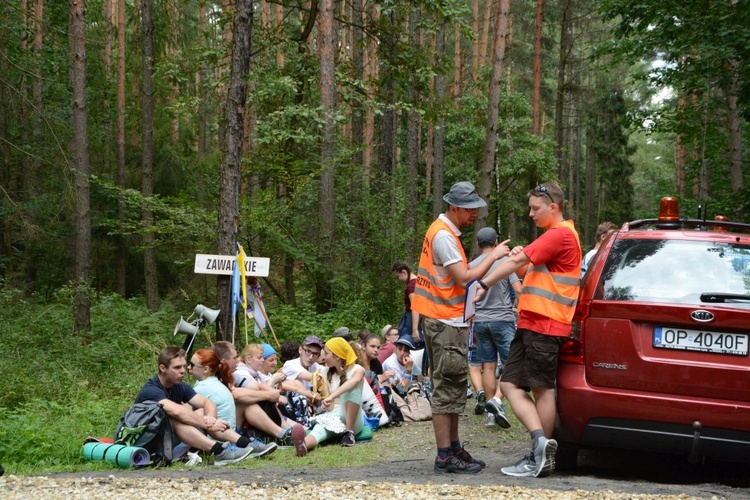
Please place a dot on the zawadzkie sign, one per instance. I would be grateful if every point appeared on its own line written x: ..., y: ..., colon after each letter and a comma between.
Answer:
x: 224, y: 264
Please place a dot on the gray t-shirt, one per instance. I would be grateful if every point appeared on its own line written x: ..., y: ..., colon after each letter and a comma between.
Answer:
x: 496, y: 303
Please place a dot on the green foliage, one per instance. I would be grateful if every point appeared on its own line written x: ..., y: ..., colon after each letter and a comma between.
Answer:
x: 57, y: 391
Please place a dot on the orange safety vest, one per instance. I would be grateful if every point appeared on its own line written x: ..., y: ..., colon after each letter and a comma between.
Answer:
x: 433, y: 297
x: 553, y: 295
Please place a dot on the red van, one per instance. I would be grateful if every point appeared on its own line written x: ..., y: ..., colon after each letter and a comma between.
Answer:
x: 658, y: 356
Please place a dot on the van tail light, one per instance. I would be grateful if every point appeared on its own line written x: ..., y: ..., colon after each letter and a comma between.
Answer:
x: 572, y: 350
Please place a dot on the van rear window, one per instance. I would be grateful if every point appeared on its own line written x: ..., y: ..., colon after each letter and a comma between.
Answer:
x: 676, y: 271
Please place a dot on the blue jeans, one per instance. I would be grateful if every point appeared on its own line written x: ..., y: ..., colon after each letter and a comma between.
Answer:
x: 493, y: 338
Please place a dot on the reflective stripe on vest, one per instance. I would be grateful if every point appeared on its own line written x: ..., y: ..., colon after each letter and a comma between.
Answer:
x: 553, y: 295
x: 435, y: 298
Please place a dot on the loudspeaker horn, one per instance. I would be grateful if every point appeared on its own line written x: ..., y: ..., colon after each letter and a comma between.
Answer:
x: 208, y: 315
x: 185, y: 327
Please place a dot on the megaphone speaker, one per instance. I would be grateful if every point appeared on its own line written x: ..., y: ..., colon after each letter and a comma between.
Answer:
x: 208, y: 315
x: 186, y: 328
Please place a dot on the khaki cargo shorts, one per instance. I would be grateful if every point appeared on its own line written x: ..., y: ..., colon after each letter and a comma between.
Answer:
x: 448, y: 351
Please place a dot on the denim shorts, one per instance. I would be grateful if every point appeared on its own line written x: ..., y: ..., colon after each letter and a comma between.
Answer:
x: 492, y: 338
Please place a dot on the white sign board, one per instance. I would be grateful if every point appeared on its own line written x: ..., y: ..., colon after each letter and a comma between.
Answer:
x: 224, y: 264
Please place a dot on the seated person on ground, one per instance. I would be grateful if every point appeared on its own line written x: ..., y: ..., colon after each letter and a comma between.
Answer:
x: 402, y: 365
x: 251, y: 364
x: 190, y: 414
x: 289, y: 350
x: 344, y: 333
x: 256, y: 405
x: 371, y: 347
x: 213, y: 380
x: 389, y: 334
x: 299, y: 370
x: 268, y: 366
x: 340, y: 382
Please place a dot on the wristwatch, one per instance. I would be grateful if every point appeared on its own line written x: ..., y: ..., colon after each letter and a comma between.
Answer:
x: 482, y: 284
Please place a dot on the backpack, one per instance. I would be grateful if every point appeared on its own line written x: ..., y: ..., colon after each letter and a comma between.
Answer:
x: 146, y: 425
x: 297, y: 408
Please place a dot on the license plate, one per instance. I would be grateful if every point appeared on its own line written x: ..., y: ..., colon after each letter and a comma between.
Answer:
x: 696, y: 340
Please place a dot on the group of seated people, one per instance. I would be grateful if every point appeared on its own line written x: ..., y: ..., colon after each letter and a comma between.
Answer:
x: 240, y: 406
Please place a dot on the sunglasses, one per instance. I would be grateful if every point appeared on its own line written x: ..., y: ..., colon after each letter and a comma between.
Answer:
x: 541, y: 188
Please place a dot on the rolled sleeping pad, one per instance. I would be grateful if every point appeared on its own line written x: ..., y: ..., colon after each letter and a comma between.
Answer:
x: 122, y: 456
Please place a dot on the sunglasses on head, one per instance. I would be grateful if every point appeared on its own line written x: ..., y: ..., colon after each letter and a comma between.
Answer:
x: 541, y: 188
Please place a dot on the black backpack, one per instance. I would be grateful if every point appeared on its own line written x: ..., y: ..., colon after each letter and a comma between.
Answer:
x: 147, y: 426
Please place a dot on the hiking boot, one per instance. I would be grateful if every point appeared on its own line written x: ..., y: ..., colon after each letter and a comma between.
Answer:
x: 490, y: 420
x: 231, y: 454
x: 348, y: 439
x: 526, y: 467
x: 544, y: 456
x: 498, y: 410
x: 285, y: 441
x: 260, y: 448
x: 481, y: 400
x: 455, y: 465
x: 469, y: 392
x: 298, y: 438
x: 466, y: 457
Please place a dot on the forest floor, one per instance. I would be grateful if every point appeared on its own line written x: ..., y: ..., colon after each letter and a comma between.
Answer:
x: 404, y: 469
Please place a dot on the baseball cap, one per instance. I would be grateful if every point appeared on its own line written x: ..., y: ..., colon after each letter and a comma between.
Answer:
x: 313, y: 340
x: 343, y: 332
x: 464, y: 195
x: 486, y: 236
x: 406, y: 340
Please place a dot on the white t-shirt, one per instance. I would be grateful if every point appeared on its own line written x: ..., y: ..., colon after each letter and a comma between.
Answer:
x: 400, y: 370
x: 293, y: 368
x: 335, y: 382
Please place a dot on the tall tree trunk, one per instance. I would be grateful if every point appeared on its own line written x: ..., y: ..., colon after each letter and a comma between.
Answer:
x: 536, y: 93
x: 230, y: 175
x: 36, y: 90
x: 490, y: 141
x: 412, y: 146
x: 358, y: 118
x: 475, y: 44
x: 565, y: 50
x: 122, y: 253
x: 485, y: 34
x: 5, y: 238
x: 147, y: 164
x: 199, y: 85
x: 458, y: 67
x: 324, y: 294
x: 386, y: 153
x: 77, y: 50
x: 734, y: 124
x: 439, y: 139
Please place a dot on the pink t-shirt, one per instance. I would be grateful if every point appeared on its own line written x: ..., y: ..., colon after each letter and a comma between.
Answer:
x: 385, y: 351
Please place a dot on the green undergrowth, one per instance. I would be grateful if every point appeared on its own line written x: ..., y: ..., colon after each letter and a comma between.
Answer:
x: 59, y: 387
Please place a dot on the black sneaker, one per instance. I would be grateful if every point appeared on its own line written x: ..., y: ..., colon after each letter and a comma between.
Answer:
x: 348, y: 439
x: 481, y: 400
x: 285, y: 441
x: 464, y: 455
x: 455, y: 465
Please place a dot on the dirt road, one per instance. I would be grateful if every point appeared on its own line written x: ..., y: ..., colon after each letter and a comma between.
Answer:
x: 406, y: 457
